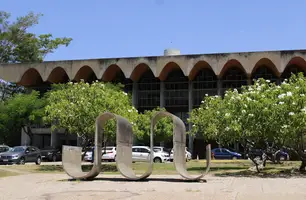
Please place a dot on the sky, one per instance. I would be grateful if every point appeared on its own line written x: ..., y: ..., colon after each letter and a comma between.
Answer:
x: 129, y: 28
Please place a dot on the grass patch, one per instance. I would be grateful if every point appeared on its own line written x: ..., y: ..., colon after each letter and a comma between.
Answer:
x: 218, y: 168
x: 4, y: 173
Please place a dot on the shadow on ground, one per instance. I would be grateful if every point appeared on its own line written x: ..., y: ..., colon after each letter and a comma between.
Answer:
x: 119, y: 179
x: 266, y: 173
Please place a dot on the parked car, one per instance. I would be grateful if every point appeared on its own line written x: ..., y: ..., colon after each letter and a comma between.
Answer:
x: 51, y: 154
x: 257, y: 154
x: 87, y: 153
x: 4, y: 148
x: 109, y: 153
x: 142, y: 154
x: 223, y: 153
x: 187, y: 153
x: 21, y: 155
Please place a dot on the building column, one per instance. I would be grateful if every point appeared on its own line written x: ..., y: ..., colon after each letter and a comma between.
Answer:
x: 162, y: 94
x: 190, y: 106
x: 135, y: 94
x: 249, y: 79
x: 219, y: 87
x: 54, y: 136
x: 79, y: 141
x: 25, y: 139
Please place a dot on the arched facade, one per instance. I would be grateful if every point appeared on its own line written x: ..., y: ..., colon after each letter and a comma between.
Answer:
x: 175, y: 91
x: 295, y: 65
x: 85, y: 73
x: 114, y: 74
x: 233, y: 76
x: 265, y: 69
x: 204, y: 82
x: 148, y: 94
x: 176, y: 83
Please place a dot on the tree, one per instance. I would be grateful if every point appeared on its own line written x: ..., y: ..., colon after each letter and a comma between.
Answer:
x: 75, y: 107
x: 17, y: 45
x: 19, y: 112
x: 261, y: 115
x: 163, y: 129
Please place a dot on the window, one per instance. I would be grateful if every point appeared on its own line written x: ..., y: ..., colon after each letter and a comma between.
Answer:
x: 3, y: 149
x: 217, y: 151
x: 143, y: 150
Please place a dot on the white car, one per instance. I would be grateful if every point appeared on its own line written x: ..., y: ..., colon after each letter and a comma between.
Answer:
x: 187, y: 153
x: 109, y: 153
x: 142, y: 154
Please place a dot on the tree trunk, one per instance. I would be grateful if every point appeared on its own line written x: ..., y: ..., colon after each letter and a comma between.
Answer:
x: 303, y: 166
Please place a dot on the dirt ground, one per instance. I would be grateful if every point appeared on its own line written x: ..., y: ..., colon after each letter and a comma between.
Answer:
x: 110, y: 187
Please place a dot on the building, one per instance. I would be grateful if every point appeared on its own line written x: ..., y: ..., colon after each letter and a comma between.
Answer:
x: 173, y: 81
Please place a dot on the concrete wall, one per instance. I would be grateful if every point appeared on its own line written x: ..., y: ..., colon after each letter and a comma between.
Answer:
x: 105, y: 69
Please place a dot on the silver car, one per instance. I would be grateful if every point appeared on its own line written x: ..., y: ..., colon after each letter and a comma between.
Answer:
x: 142, y: 154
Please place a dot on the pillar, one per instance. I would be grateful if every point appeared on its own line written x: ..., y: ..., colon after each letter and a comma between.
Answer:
x: 135, y: 94
x: 162, y: 94
x: 190, y: 106
x: 249, y: 81
x: 54, y: 136
x: 79, y: 141
x: 219, y: 87
x: 25, y: 139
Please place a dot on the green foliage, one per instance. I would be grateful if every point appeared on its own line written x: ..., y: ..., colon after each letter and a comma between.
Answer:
x: 263, y: 112
x: 20, y: 111
x: 75, y: 107
x: 162, y: 131
x: 18, y: 45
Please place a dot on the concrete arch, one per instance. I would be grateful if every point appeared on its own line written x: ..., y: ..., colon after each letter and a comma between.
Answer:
x: 139, y: 70
x: 267, y: 63
x: 295, y: 65
x: 230, y: 64
x: 112, y: 72
x: 179, y: 144
x: 58, y: 75
x: 86, y: 73
x: 169, y: 67
x: 30, y: 77
x: 197, y: 68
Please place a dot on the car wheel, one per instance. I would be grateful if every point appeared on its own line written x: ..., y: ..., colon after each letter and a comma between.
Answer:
x: 38, y: 161
x: 22, y: 161
x: 115, y: 159
x: 234, y: 158
x: 54, y: 158
x: 157, y: 160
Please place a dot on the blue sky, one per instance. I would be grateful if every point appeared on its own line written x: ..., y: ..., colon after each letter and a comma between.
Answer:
x: 123, y: 28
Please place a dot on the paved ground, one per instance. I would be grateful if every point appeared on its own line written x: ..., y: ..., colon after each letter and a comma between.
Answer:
x: 55, y: 186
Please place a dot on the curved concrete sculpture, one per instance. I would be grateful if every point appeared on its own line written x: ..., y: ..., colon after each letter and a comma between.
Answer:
x: 124, y: 141
x: 124, y: 138
x: 71, y: 156
x: 179, y: 145
x: 72, y: 159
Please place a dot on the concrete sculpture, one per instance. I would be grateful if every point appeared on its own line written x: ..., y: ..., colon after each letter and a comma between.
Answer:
x: 71, y: 156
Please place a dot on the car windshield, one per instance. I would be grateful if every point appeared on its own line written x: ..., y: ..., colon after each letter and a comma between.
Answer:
x: 17, y: 149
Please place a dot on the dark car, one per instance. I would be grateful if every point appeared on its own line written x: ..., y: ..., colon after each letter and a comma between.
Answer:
x: 257, y: 154
x: 51, y: 154
x: 4, y: 148
x: 223, y: 153
x: 21, y: 155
